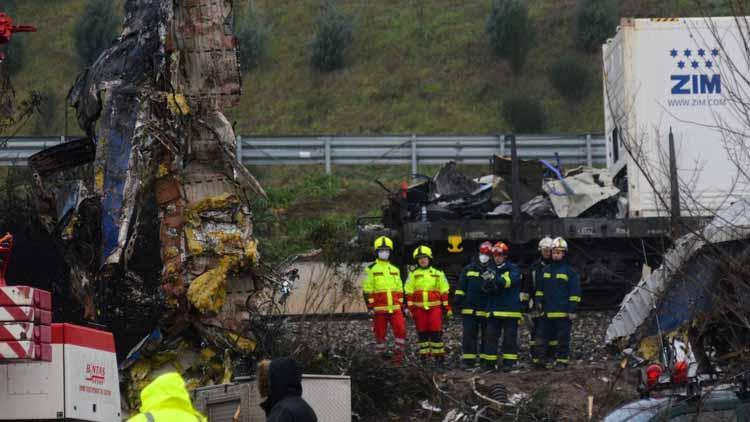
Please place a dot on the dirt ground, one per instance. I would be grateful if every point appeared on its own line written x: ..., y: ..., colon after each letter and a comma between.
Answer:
x: 564, y: 394
x: 567, y: 390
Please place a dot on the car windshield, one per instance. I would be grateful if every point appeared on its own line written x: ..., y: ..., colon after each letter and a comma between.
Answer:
x: 647, y: 409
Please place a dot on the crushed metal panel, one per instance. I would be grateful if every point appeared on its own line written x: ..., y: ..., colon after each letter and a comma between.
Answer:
x: 646, y: 299
x: 529, y: 175
x: 588, y: 189
x: 449, y: 182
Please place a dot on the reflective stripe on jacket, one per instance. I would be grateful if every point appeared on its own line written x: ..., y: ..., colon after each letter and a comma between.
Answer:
x: 559, y: 290
x: 427, y: 288
x: 505, y: 300
x: 469, y: 295
x: 528, y: 285
x: 383, y: 287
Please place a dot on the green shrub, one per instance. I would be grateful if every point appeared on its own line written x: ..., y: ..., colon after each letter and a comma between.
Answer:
x: 523, y: 114
x: 511, y: 32
x: 95, y: 30
x: 252, y: 33
x: 596, y: 20
x: 333, y: 36
x: 570, y: 77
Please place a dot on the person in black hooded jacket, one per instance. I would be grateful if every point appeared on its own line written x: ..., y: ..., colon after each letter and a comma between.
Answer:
x: 280, y: 382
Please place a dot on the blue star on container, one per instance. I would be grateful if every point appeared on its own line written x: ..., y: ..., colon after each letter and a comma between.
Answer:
x: 681, y: 64
x: 709, y: 64
x: 694, y: 64
x: 701, y: 52
x: 673, y: 52
x: 714, y: 52
x: 687, y: 52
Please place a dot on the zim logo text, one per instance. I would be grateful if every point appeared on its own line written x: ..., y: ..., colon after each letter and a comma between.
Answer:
x: 700, y: 67
x: 696, y: 84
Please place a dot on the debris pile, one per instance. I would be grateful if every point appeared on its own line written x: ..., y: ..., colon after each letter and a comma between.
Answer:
x: 152, y: 208
x: 544, y: 190
x: 697, y: 297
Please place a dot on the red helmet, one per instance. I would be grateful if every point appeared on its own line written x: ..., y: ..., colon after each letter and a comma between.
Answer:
x: 500, y: 248
x: 485, y: 248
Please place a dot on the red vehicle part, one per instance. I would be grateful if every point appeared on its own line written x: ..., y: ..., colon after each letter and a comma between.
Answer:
x: 653, y: 372
x: 7, y: 28
x: 680, y: 373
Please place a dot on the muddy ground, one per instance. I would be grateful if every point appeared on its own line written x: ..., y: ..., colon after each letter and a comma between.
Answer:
x: 345, y: 347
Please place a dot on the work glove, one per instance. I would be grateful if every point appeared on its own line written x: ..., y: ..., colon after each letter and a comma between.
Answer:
x: 407, y: 313
x: 572, y: 316
x: 449, y: 314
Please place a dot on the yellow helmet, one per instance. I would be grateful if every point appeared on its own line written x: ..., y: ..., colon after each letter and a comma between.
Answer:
x: 422, y: 251
x: 560, y: 243
x: 383, y: 243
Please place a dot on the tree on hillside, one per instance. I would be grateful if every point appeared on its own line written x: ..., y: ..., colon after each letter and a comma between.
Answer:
x: 596, y: 20
x: 95, y: 30
x: 570, y: 77
x: 333, y: 36
x: 252, y: 34
x: 510, y: 30
x: 523, y: 114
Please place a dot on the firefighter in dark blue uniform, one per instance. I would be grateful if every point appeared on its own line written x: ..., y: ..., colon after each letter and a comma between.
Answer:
x: 503, y: 310
x: 529, y: 283
x: 472, y: 300
x: 557, y: 297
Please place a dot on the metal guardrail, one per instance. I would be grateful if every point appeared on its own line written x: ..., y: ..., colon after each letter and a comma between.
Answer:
x: 376, y: 150
x: 363, y: 150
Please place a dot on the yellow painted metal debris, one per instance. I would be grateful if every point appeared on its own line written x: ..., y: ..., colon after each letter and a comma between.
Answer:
x: 178, y: 104
x: 194, y: 245
x: 649, y: 347
x: 243, y: 343
x: 208, y: 292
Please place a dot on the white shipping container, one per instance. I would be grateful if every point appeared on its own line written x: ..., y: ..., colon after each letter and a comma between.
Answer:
x: 687, y: 74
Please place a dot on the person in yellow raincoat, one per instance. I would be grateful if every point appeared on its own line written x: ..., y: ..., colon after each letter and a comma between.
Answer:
x: 167, y: 400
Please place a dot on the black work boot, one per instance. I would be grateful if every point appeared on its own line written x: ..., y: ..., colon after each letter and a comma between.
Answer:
x: 468, y: 365
x: 560, y: 365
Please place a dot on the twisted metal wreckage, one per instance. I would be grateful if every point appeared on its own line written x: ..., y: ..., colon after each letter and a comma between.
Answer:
x: 158, y: 229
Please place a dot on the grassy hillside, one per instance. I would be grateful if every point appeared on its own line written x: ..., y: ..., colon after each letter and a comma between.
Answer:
x: 404, y: 75
x: 430, y: 72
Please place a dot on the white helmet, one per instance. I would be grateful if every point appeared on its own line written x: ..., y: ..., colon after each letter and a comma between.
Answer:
x: 545, y: 243
x: 560, y: 243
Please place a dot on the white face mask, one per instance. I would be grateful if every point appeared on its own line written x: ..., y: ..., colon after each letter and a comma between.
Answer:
x: 484, y: 258
x: 384, y: 255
